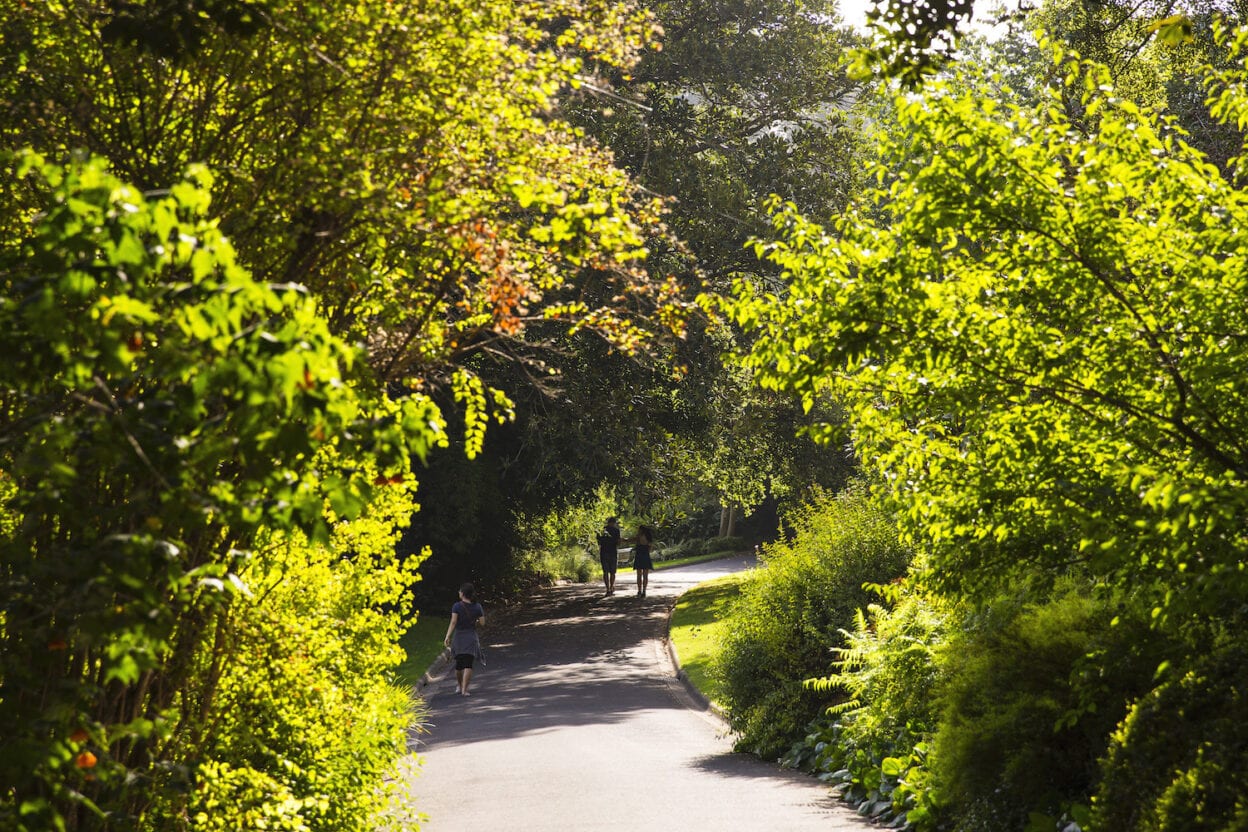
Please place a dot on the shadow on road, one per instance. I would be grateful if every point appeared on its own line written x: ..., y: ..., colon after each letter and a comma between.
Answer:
x: 579, y: 705
x: 569, y: 657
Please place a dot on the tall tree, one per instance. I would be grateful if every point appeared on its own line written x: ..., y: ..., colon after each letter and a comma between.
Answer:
x: 393, y: 178
x: 747, y: 98
x: 397, y: 159
x: 1163, y: 70
x: 400, y: 160
x: 1038, y: 325
x: 1008, y: 287
x: 164, y: 420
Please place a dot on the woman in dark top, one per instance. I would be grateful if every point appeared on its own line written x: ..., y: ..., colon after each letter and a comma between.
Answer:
x: 461, y: 636
x: 641, y: 558
x: 609, y: 552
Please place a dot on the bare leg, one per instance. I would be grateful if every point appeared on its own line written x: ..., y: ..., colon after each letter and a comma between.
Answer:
x: 467, y: 679
x: 459, y: 680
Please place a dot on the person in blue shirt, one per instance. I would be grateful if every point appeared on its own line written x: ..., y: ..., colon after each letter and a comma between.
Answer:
x: 461, y: 636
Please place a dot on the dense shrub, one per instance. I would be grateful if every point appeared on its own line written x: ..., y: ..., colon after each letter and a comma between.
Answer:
x: 696, y: 547
x: 1030, y: 694
x: 320, y: 643
x: 726, y: 544
x: 1176, y: 764
x: 683, y: 549
x: 173, y: 654
x: 791, y: 613
x: 301, y: 725
x: 874, y: 745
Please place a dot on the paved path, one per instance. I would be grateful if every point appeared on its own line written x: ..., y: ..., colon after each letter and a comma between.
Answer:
x: 579, y: 724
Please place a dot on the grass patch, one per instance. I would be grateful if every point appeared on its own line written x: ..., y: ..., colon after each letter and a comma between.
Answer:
x: 423, y: 643
x: 698, y: 627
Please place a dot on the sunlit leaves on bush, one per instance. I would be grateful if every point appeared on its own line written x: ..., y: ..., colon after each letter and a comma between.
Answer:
x: 161, y: 409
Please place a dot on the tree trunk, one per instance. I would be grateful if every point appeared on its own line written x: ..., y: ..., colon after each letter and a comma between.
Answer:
x: 728, y: 520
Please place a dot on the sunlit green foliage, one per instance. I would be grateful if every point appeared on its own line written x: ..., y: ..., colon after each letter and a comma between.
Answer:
x: 399, y: 159
x: 314, y: 637
x: 791, y: 614
x: 561, y: 544
x: 175, y: 426
x: 1155, y: 51
x: 873, y: 746
x: 162, y: 409
x: 1037, y: 336
x: 699, y: 622
x: 1037, y: 324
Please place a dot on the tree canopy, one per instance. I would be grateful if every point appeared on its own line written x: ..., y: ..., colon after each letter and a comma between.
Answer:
x: 745, y: 99
x: 398, y: 160
x: 250, y: 250
x: 1034, y: 322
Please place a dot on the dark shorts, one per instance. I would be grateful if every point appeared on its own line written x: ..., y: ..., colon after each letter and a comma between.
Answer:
x: 464, y: 661
x: 609, y: 563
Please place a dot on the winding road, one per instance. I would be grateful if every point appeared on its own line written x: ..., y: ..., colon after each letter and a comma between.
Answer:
x: 578, y: 723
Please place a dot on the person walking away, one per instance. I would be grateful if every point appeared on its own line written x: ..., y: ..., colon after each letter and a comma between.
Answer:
x: 461, y: 636
x: 641, y: 558
x: 609, y: 553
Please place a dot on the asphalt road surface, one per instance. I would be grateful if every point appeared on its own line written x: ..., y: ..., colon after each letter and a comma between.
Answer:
x: 578, y: 723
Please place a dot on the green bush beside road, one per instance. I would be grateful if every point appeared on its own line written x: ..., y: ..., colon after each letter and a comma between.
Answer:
x: 792, y: 612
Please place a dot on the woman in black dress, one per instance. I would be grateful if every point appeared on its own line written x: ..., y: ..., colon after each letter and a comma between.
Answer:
x: 641, y: 558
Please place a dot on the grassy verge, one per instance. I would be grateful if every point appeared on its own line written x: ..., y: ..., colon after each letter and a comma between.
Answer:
x: 698, y: 627
x: 423, y: 643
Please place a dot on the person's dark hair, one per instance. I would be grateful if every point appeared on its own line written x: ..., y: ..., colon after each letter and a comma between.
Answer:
x: 611, y: 520
x: 468, y: 591
x: 647, y: 531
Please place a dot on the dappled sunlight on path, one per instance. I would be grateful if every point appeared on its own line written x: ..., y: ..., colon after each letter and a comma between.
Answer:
x: 577, y: 722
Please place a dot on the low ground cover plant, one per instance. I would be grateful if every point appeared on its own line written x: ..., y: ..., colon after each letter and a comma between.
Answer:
x: 998, y: 717
x: 874, y: 746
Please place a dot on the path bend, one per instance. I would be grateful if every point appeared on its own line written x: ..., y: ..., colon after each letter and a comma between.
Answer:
x: 578, y: 723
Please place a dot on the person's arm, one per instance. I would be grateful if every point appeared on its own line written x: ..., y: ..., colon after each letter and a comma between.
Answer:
x: 450, y: 629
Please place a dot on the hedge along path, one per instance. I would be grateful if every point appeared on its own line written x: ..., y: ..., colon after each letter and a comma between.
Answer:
x: 578, y: 721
